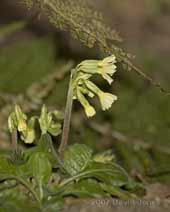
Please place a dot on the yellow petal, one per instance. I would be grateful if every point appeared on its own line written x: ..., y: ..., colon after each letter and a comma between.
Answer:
x: 90, y: 111
x: 107, y: 99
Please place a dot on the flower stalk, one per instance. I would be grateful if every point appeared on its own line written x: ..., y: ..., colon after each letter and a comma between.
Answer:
x: 14, y: 139
x: 67, y: 120
x: 80, y: 87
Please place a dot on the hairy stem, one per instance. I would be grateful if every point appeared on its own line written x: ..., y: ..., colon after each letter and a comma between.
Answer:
x: 14, y: 140
x: 67, y: 119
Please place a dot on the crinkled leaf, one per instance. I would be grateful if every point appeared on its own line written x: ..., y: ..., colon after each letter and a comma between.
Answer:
x: 45, y: 145
x: 13, y: 200
x: 117, y: 192
x: 10, y: 170
x: 110, y: 173
x: 40, y: 166
x: 85, y: 188
x: 76, y: 158
x: 6, y: 168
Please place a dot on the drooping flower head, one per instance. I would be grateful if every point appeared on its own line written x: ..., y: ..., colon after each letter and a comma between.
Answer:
x: 82, y: 86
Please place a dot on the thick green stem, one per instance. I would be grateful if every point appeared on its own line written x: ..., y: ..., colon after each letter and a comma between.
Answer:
x: 67, y: 119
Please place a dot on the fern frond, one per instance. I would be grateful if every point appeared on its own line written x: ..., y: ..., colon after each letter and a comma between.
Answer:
x: 28, y: 3
x: 83, y: 22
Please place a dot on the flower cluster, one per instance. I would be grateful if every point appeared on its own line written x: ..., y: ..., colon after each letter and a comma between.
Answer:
x: 48, y: 123
x: 82, y: 85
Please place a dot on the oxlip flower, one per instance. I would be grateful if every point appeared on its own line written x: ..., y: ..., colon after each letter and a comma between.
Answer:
x: 106, y: 100
x: 83, y: 87
x: 21, y: 119
x: 29, y: 135
x: 89, y: 110
x: 106, y: 67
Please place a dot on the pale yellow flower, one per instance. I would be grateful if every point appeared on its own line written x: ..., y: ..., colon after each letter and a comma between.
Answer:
x: 30, y: 136
x: 90, y: 111
x: 12, y: 122
x: 109, y: 60
x: 106, y: 100
x: 21, y: 119
x: 107, y: 68
x: 82, y: 86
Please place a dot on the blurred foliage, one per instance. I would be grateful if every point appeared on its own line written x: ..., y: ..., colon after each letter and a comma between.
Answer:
x: 25, y: 62
x: 11, y: 28
x: 142, y: 113
x: 157, y: 7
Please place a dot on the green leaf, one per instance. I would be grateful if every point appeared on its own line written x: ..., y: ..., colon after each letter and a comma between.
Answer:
x: 110, y: 173
x: 40, y: 166
x: 6, y: 168
x: 11, y: 28
x: 45, y: 145
x: 85, y: 188
x: 76, y: 158
x: 16, y: 201
x: 53, y: 204
x: 117, y: 192
x: 10, y: 169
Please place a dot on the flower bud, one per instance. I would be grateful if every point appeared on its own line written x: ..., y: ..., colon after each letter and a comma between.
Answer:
x: 12, y: 122
x: 21, y: 119
x: 89, y: 110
